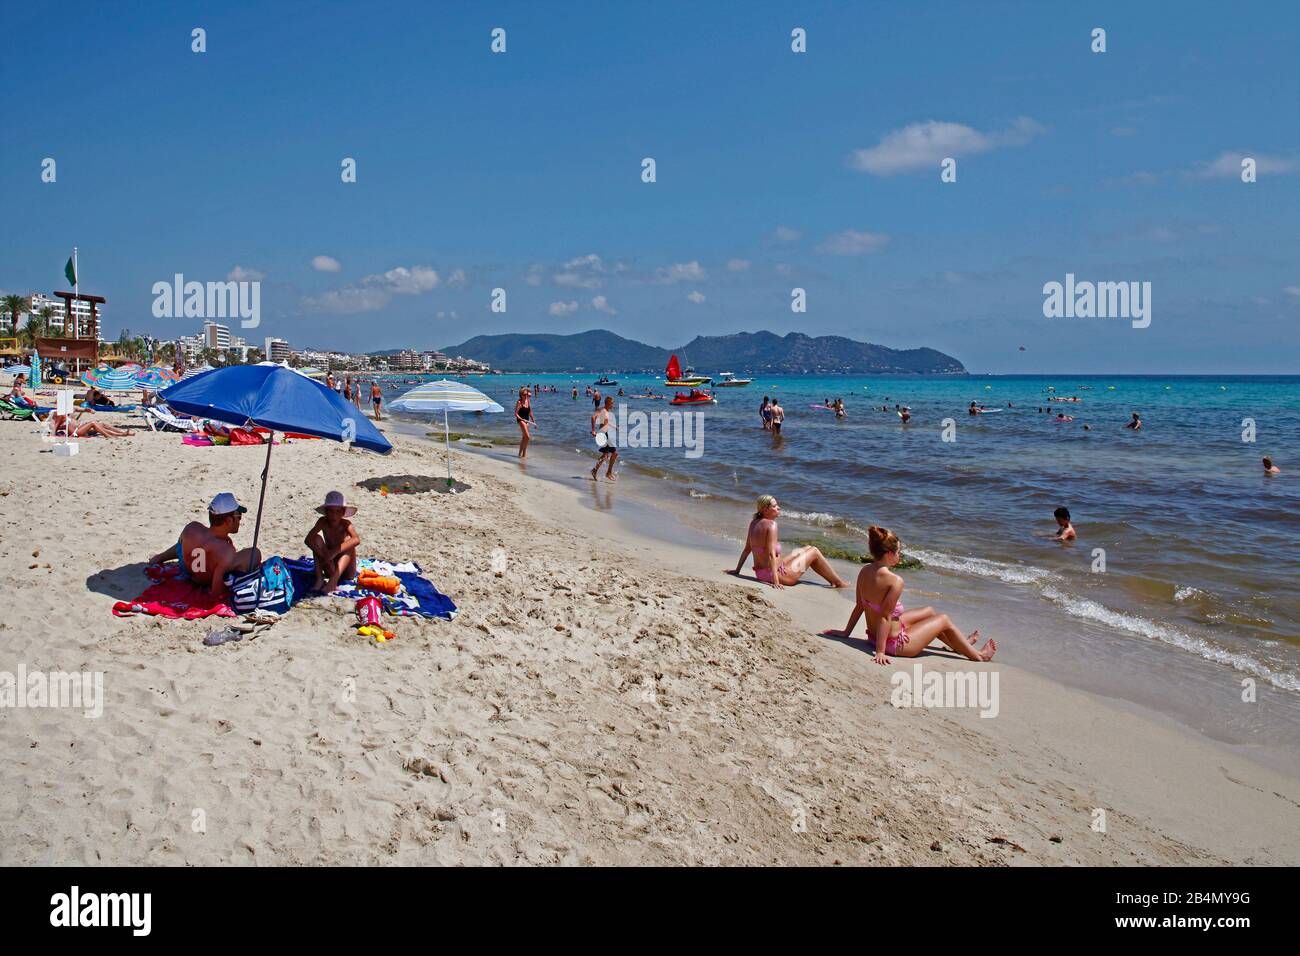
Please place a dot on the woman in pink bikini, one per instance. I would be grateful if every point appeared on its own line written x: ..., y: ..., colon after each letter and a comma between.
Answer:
x: 891, y: 629
x: 761, y: 540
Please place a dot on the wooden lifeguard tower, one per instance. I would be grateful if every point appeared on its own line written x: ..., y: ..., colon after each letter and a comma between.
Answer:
x: 86, y: 348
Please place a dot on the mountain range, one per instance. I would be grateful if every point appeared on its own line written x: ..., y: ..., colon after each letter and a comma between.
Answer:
x: 746, y: 353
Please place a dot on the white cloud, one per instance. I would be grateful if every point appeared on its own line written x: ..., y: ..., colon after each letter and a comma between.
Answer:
x: 457, y: 280
x: 850, y: 242
x: 1228, y: 165
x: 786, y: 234
x: 601, y: 304
x: 240, y: 274
x: 584, y: 272
x: 738, y: 265
x: 375, y: 291
x: 448, y: 315
x: 326, y: 264
x: 924, y: 145
x: 695, y: 296
x: 404, y: 281
x: 563, y: 308
x: 350, y: 300
x: 680, y: 272
x: 1292, y: 290
x: 534, y: 275
x: 573, y: 280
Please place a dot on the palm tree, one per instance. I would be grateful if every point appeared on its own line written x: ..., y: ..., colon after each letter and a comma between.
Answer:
x: 13, y: 304
x: 37, y: 327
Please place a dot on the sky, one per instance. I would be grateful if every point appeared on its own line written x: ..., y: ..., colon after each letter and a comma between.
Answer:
x: 774, y: 171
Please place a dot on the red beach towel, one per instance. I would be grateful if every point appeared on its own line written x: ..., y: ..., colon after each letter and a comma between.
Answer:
x: 172, y: 597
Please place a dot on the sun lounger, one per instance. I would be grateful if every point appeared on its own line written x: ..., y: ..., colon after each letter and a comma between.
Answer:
x: 10, y: 411
x: 160, y: 418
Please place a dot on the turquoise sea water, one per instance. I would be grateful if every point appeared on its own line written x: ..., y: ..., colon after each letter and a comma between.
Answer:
x: 1200, y: 548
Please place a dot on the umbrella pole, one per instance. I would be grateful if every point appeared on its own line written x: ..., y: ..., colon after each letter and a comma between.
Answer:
x: 446, y: 431
x: 266, y: 473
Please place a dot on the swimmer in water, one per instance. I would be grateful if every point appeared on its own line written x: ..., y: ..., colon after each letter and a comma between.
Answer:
x: 1064, y: 530
x: 1270, y: 468
x: 1136, y: 423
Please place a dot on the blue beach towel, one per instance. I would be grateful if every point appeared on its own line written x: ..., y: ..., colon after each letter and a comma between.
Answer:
x: 419, y: 598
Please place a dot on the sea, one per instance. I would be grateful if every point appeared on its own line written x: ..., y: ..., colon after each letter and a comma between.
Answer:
x: 1180, y: 596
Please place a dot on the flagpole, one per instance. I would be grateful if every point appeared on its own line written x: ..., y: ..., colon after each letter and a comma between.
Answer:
x: 76, y: 297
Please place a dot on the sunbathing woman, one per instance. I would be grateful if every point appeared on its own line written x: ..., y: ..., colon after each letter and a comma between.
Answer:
x: 16, y: 395
x: 891, y: 629
x: 762, y: 541
x: 87, y: 429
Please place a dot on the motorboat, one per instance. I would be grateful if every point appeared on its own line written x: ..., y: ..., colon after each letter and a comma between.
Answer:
x: 729, y: 380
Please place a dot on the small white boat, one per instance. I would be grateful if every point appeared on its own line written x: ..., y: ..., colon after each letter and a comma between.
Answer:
x: 729, y: 380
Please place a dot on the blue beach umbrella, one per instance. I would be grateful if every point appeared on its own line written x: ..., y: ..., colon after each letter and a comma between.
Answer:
x: 445, y: 396
x: 277, y: 398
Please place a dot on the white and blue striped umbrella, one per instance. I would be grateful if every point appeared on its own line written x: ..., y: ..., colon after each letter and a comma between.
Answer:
x: 191, y: 372
x: 111, y: 379
x: 445, y: 396
x: 18, y: 370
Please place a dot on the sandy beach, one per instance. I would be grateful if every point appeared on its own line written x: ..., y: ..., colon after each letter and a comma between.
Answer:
x: 607, y: 698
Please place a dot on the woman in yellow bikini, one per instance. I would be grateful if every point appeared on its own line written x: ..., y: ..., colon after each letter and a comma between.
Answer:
x: 891, y: 629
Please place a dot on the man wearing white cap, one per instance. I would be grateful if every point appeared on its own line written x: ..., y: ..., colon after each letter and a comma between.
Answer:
x: 206, y: 554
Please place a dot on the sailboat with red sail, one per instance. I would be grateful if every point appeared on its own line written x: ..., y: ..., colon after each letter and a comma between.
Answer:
x: 673, y: 375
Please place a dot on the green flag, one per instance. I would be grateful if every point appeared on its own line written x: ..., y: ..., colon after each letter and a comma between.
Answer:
x: 70, y: 272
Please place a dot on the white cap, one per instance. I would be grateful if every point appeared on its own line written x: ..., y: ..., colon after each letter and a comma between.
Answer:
x: 224, y: 504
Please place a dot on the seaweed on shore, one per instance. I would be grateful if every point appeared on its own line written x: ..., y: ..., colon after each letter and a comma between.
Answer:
x: 832, y: 550
x: 461, y: 436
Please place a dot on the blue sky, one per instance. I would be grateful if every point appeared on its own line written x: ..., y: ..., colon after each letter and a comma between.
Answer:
x: 775, y: 170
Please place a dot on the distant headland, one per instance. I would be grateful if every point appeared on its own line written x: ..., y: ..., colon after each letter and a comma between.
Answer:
x: 748, y: 353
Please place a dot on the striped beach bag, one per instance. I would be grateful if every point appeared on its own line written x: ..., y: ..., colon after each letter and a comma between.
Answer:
x: 268, y: 588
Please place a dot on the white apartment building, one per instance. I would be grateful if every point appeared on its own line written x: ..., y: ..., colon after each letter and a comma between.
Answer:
x: 216, y: 335
x: 58, y: 321
x: 277, y: 350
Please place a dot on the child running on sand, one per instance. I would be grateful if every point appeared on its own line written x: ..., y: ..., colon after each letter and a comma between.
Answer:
x: 333, y: 541
x: 890, y: 628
